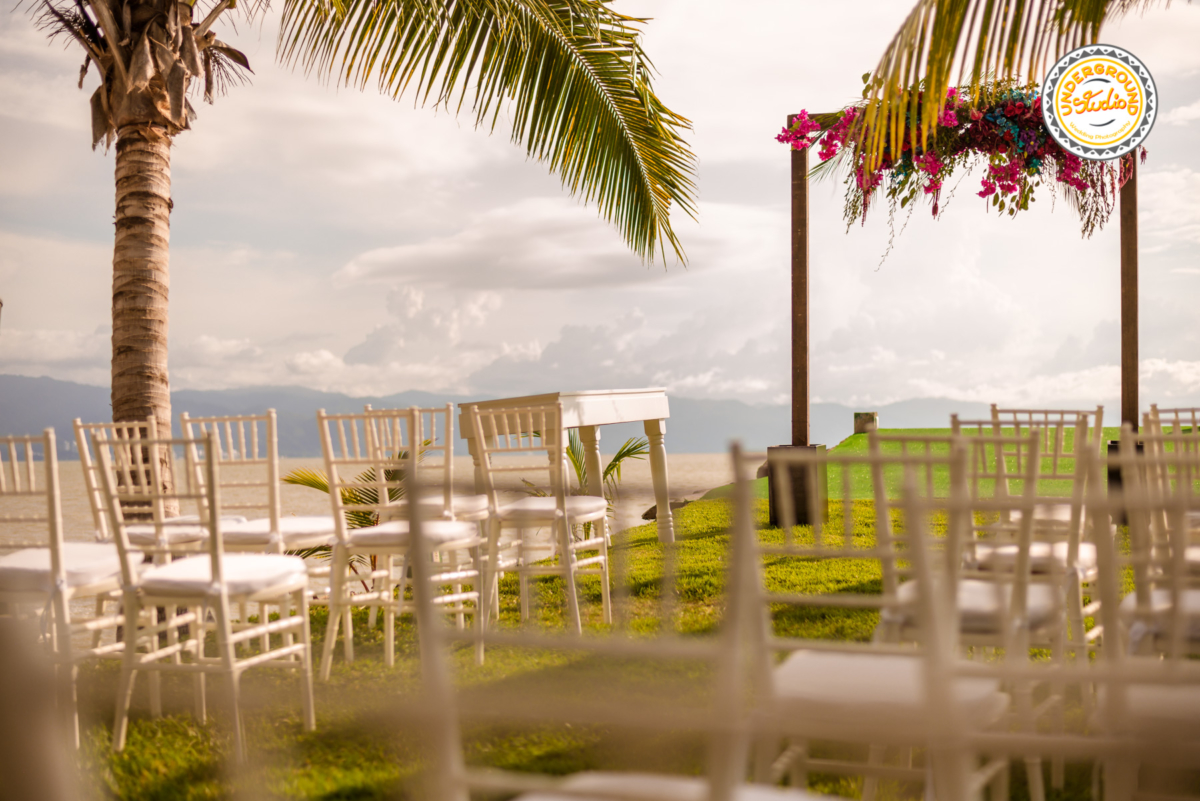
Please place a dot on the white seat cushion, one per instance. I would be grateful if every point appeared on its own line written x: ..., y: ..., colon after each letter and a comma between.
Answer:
x: 244, y: 573
x: 182, y: 530
x: 840, y: 695
x: 1160, y: 711
x: 1160, y: 603
x: 85, y: 563
x: 394, y: 534
x: 598, y: 786
x: 1192, y: 555
x: 580, y: 508
x: 979, y: 604
x: 1042, y: 556
x: 465, y: 506
x: 295, y: 531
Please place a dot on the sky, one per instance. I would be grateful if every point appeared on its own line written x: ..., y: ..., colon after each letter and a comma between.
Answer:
x: 341, y: 240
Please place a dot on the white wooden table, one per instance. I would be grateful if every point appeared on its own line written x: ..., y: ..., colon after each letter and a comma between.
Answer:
x: 587, y: 411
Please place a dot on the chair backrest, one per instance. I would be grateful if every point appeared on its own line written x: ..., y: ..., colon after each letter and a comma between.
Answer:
x: 131, y: 475
x: 147, y: 429
x: 717, y: 713
x: 1179, y: 419
x: 248, y: 447
x: 435, y: 435
x: 1062, y: 429
x: 367, y: 457
x: 520, y: 440
x: 863, y: 528
x: 31, y: 507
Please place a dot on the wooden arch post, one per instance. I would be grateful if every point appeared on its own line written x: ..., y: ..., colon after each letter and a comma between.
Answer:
x: 1129, y: 297
x: 801, y: 391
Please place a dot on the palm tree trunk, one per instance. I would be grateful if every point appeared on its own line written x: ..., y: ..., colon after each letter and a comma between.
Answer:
x: 141, y: 280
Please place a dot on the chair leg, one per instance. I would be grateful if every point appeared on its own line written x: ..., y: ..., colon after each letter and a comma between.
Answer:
x: 128, y: 672
x: 348, y: 632
x: 99, y: 614
x: 481, y: 595
x: 379, y: 584
x: 200, y: 697
x: 1120, y: 779
x: 389, y: 622
x: 336, y: 589
x: 566, y: 559
x: 875, y: 755
x: 605, y: 593
x: 67, y: 670
x: 765, y: 751
x: 306, y: 671
x: 228, y: 658
x: 998, y: 788
x: 522, y: 576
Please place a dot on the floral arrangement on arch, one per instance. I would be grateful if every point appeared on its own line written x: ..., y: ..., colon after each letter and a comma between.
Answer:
x: 1000, y: 123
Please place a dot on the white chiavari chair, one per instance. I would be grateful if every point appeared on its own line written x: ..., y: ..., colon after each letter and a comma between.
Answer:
x: 999, y: 487
x: 181, y: 536
x: 247, y: 446
x: 42, y: 574
x: 436, y: 463
x: 1146, y: 718
x: 847, y: 680
x: 1157, y: 702
x: 531, y: 441
x: 205, y: 584
x: 1067, y: 438
x: 367, y: 456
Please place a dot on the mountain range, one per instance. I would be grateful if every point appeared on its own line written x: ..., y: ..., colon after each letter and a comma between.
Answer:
x: 28, y: 405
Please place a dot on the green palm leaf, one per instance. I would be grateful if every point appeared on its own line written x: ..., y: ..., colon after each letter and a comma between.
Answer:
x: 990, y: 39
x: 574, y: 71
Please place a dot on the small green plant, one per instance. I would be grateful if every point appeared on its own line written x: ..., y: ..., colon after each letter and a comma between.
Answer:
x: 351, y: 496
x: 632, y: 448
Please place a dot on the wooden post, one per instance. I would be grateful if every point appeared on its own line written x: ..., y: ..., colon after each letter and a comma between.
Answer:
x: 800, y: 394
x: 803, y: 504
x: 1129, y: 298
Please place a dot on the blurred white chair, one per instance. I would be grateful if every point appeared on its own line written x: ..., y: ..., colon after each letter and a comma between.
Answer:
x: 43, y: 574
x: 1059, y: 514
x: 1156, y: 700
x: 531, y: 441
x: 367, y: 456
x: 203, y: 584
x: 996, y: 597
x: 248, y: 446
x: 718, y: 711
x: 833, y: 686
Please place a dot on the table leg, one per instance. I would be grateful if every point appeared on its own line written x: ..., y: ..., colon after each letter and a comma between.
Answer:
x: 655, y: 429
x: 590, y: 437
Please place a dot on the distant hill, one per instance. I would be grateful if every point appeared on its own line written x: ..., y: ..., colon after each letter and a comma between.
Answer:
x: 28, y: 405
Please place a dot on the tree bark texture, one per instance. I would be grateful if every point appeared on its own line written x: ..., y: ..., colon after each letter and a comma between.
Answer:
x: 141, y: 280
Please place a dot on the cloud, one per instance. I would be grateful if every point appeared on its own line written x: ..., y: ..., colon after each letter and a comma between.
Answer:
x: 1170, y: 205
x: 534, y: 245
x: 625, y: 353
x: 1182, y: 115
x: 64, y: 354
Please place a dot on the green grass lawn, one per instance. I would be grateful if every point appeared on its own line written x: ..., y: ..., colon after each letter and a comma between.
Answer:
x: 366, y: 746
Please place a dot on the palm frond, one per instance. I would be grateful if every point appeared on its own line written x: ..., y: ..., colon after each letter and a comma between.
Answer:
x: 1004, y: 39
x: 572, y: 73
x: 633, y: 448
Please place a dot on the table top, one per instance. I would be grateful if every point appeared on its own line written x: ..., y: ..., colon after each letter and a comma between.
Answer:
x: 597, y: 407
